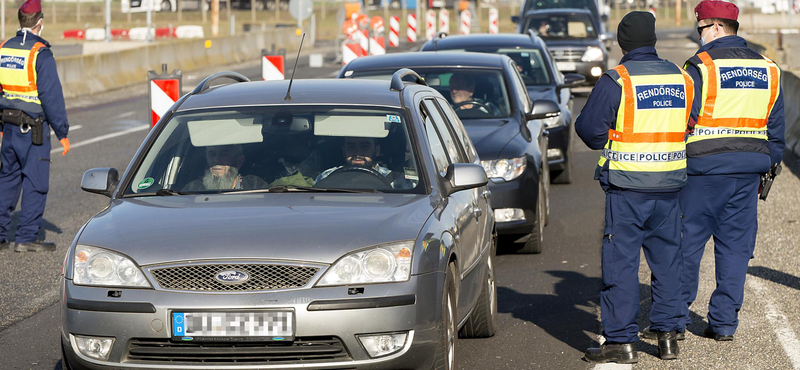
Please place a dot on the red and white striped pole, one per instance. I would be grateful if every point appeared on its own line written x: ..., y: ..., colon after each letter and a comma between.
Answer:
x: 394, y: 31
x: 430, y: 24
x: 411, y: 31
x: 164, y: 90
x: 493, y: 17
x: 466, y: 21
x: 444, y: 21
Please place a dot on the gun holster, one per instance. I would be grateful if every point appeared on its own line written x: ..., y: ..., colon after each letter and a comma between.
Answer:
x: 26, y: 124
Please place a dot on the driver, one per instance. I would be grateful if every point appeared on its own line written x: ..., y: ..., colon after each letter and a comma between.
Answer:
x: 544, y: 28
x: 359, y: 152
x: 462, y: 88
x: 224, y: 162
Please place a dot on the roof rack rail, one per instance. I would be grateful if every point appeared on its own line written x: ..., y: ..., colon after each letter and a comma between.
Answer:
x: 397, y: 79
x: 203, y: 86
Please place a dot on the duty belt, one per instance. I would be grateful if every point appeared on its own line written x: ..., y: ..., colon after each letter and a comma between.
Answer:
x: 616, y: 156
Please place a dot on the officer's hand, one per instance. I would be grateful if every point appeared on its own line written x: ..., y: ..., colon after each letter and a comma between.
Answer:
x: 65, y: 143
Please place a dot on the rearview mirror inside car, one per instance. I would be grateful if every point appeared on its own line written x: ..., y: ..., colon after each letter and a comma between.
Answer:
x: 100, y: 180
x: 462, y: 176
x: 543, y: 108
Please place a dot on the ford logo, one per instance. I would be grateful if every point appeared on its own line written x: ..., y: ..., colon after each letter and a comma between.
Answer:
x: 232, y: 277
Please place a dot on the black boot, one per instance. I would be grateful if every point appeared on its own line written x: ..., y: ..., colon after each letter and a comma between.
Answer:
x: 668, y: 345
x: 648, y: 333
x: 4, y: 244
x: 622, y: 353
x: 35, y: 246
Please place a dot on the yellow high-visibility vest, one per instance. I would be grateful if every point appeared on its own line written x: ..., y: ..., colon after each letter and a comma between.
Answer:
x: 646, y: 149
x: 18, y: 75
x: 740, y: 88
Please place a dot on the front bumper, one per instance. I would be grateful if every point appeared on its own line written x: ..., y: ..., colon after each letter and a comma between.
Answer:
x: 518, y: 193
x: 420, y: 318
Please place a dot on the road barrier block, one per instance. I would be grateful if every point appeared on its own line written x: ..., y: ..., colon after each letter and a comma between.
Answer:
x: 74, y: 34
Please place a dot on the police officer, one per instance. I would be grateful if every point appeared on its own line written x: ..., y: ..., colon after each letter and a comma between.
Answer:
x: 735, y: 134
x: 637, y: 114
x: 32, y: 103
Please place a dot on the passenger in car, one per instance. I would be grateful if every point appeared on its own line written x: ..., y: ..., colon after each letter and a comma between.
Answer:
x: 224, y: 162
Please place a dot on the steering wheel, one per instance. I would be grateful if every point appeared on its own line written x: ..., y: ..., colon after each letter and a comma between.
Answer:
x: 463, y: 103
x: 348, y: 176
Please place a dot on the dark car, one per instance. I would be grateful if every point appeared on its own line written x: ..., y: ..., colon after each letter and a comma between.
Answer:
x: 573, y: 37
x: 599, y: 13
x: 489, y: 97
x: 209, y: 256
x: 542, y: 80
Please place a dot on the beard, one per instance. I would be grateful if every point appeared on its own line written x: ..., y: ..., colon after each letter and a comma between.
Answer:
x: 211, y: 182
x: 367, y: 162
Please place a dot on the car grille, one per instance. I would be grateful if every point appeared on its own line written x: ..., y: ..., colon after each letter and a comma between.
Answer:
x: 301, y: 350
x: 567, y: 55
x: 262, y: 277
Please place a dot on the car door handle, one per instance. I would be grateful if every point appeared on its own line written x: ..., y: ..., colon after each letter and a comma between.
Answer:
x: 477, y: 211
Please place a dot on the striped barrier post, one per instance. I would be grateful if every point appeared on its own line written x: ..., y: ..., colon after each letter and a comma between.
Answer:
x: 272, y: 66
x: 164, y: 90
x: 394, y: 31
x: 411, y: 31
x: 493, y: 18
x: 444, y: 21
x: 466, y: 20
x: 377, y: 46
x: 430, y: 24
x: 350, y: 51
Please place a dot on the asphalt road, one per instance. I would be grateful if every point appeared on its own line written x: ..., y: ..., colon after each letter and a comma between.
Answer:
x: 548, y: 303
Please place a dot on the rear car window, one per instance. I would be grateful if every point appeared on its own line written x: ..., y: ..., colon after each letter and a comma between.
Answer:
x: 561, y: 26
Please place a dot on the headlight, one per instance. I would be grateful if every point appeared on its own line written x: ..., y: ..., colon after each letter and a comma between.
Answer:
x: 551, y: 122
x: 382, y: 264
x: 102, y: 267
x: 592, y: 54
x: 507, y: 169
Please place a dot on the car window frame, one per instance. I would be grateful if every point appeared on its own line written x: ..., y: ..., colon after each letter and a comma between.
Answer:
x: 521, y: 88
x: 425, y: 116
x: 461, y: 132
x: 464, y: 158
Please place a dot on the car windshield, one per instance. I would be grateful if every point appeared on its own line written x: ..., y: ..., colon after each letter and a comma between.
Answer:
x: 561, y: 26
x: 473, y: 93
x: 529, y: 62
x: 561, y: 4
x: 278, y: 149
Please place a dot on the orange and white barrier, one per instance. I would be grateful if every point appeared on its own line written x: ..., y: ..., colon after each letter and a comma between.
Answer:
x: 164, y: 91
x: 411, y: 31
x: 377, y: 25
x: 140, y: 33
x: 189, y: 32
x: 466, y: 21
x: 430, y: 24
x: 73, y: 34
x: 95, y: 34
x: 494, y: 28
x: 377, y: 46
x: 444, y: 21
x: 351, y: 51
x: 394, y: 31
x: 272, y: 67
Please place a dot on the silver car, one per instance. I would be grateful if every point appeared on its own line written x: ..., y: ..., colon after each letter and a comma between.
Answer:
x: 343, y: 225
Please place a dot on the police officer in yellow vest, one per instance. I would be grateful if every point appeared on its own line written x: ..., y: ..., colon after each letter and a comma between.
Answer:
x: 32, y: 103
x: 637, y: 115
x: 736, y: 133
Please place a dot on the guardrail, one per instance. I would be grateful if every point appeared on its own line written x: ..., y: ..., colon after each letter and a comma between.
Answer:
x: 89, y: 74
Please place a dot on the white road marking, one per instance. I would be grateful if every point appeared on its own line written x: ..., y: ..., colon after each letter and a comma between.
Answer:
x: 103, y: 137
x: 71, y: 128
x: 612, y: 366
x: 126, y: 114
x: 778, y: 321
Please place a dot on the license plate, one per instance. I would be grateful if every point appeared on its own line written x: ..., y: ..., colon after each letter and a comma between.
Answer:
x: 566, y: 66
x: 275, y: 325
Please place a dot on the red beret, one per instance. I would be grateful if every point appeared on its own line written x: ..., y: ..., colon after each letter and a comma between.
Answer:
x: 31, y: 6
x: 716, y: 9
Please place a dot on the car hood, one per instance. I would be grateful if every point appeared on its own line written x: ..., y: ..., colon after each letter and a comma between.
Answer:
x: 311, y: 227
x: 542, y: 92
x: 490, y: 136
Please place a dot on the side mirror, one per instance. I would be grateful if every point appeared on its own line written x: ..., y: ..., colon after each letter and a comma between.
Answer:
x: 515, y: 18
x: 100, y: 180
x: 462, y: 176
x: 572, y: 80
x: 543, y: 108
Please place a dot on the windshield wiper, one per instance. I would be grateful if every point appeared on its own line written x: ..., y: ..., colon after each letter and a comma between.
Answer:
x: 284, y: 189
x: 165, y: 192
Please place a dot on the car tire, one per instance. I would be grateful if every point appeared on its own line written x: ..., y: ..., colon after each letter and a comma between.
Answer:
x: 482, y: 321
x: 445, y: 357
x: 166, y: 6
x: 534, y: 243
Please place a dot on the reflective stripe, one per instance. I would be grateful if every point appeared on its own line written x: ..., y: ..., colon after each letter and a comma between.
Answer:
x: 710, y: 131
x: 16, y: 96
x: 711, y: 95
x: 648, y: 157
x: 630, y: 103
x: 646, y: 137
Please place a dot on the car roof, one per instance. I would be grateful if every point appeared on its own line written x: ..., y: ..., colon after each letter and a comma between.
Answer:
x: 428, y: 59
x: 503, y: 40
x: 304, y: 92
x: 553, y: 11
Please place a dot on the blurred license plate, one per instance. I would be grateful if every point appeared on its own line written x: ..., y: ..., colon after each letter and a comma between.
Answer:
x: 566, y: 66
x: 258, y: 325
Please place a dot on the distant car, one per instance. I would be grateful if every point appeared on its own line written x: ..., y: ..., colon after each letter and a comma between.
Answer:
x: 599, y: 13
x: 574, y: 39
x: 542, y: 80
x: 501, y: 120
x: 320, y: 231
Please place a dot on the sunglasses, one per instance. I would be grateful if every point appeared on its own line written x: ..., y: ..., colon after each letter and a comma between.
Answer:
x: 701, y: 28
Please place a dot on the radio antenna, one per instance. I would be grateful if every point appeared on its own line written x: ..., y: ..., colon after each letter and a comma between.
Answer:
x: 289, y: 91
